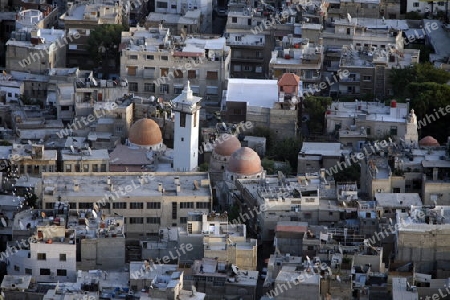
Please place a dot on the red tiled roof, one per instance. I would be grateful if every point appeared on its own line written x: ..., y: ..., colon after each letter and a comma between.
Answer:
x: 289, y: 79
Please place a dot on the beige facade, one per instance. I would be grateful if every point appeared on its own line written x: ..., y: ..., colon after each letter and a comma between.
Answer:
x: 146, y: 200
x: 159, y: 64
x: 85, y: 160
x: 33, y: 159
x: 36, y: 50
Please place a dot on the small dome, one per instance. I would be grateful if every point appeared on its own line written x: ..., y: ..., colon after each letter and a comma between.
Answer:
x: 226, y: 144
x: 429, y: 141
x: 245, y: 161
x: 145, y: 132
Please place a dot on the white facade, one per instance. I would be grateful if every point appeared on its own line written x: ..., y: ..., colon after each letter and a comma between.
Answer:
x: 49, y: 259
x: 186, y: 131
x: 180, y: 7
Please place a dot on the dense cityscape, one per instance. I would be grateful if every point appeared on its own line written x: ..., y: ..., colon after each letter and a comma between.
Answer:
x: 224, y: 150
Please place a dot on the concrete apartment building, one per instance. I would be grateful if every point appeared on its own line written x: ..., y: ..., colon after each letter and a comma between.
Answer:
x: 298, y: 56
x: 369, y: 72
x: 36, y: 15
x: 216, y: 279
x: 32, y: 160
x: 316, y: 156
x: 36, y: 50
x: 148, y: 201
x: 264, y: 103
x: 178, y: 24
x: 80, y: 18
x: 250, y: 41
x: 182, y: 7
x: 425, y: 241
x: 366, y: 9
x: 283, y: 200
x: 51, y: 257
x: 363, y: 32
x: 88, y: 91
x: 85, y: 160
x: 158, y: 64
x: 225, y: 242
x: 375, y: 119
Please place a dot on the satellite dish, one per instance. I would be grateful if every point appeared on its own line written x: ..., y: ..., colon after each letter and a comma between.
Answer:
x: 235, y: 269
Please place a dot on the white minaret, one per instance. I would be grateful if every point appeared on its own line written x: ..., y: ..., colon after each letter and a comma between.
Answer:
x: 187, y: 120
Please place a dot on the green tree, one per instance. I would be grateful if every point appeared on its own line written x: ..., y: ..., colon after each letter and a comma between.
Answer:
x: 104, y: 42
x: 268, y: 165
x: 267, y: 133
x: 287, y: 150
x: 351, y: 173
x: 316, y: 108
x: 204, y: 167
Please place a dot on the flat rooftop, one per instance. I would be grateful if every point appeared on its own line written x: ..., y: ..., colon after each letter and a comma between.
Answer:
x: 323, y: 149
x: 255, y: 92
x: 397, y: 199
x: 144, y: 184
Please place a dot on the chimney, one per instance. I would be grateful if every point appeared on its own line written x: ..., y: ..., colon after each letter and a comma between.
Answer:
x: 76, y: 187
x: 160, y: 187
x: 178, y: 188
x: 108, y: 180
x: 176, y: 180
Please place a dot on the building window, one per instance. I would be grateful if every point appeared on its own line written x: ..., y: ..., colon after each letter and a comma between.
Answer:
x: 182, y: 119
x: 192, y: 74
x: 119, y: 205
x: 166, y: 58
x: 153, y: 220
x: 103, y: 168
x: 202, y: 205
x: 177, y: 90
x: 160, y: 4
x: 178, y: 73
x: 248, y: 68
x: 133, y: 57
x: 44, y: 272
x: 131, y: 71
x: 258, y: 69
x: 415, y: 4
x: 136, y: 205
x: 133, y: 86
x: 295, y: 208
x: 237, y: 68
x: 163, y: 72
x: 174, y: 210
x: 16, y: 268
x: 61, y: 272
x: 153, y: 205
x: 396, y: 190
x: 41, y: 256
x: 186, y: 205
x: 149, y: 72
x: 348, y: 30
x: 173, y: 6
x: 367, y: 78
x: 441, y: 3
x: 237, y: 38
x: 84, y: 205
x: 212, y: 75
x: 183, y: 220
x: 28, y: 271
x: 164, y: 88
x: 150, y: 57
x: 149, y: 87
x: 212, y: 90
x: 393, y: 130
x: 234, y: 20
x: 62, y: 257
x: 136, y: 220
